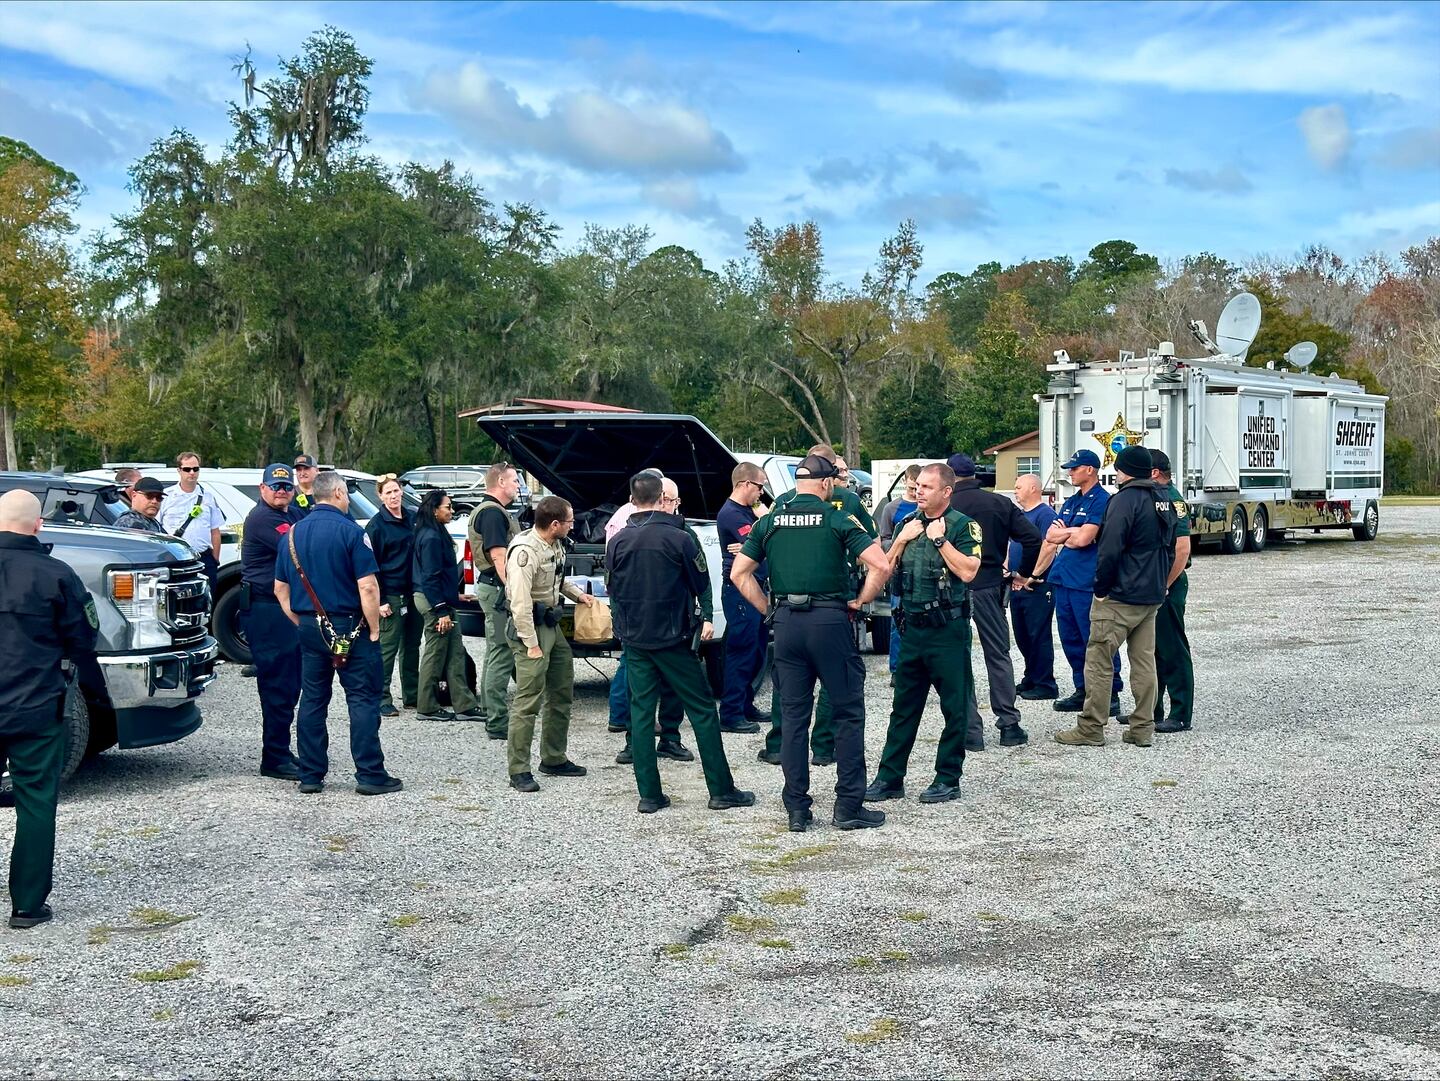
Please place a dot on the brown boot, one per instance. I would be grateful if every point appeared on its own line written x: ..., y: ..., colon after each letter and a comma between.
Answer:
x: 1075, y: 737
x: 1139, y: 736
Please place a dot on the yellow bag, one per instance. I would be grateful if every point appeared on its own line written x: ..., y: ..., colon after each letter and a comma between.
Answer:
x: 593, y: 625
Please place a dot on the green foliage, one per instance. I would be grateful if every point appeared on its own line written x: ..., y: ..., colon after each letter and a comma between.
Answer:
x: 964, y: 300
x: 1400, y: 473
x: 993, y: 401
x: 910, y: 415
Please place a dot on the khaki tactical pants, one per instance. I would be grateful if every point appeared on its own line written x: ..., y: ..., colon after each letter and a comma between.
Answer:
x: 1113, y: 624
x: 551, y: 678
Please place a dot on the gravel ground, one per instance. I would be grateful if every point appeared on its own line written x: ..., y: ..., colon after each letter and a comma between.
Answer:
x: 1249, y: 899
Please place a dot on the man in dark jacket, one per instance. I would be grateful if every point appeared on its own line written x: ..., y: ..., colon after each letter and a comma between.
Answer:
x: 45, y: 616
x: 274, y: 641
x: 392, y: 539
x: 1133, y: 556
x: 657, y: 575
x: 1001, y: 522
x: 436, y: 575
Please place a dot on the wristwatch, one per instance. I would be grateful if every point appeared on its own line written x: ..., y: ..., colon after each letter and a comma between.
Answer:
x: 939, y: 542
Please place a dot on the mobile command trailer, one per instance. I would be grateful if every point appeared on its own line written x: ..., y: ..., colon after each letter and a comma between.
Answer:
x: 1255, y: 451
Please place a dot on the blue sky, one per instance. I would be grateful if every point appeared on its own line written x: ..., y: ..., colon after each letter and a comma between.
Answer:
x: 1007, y: 130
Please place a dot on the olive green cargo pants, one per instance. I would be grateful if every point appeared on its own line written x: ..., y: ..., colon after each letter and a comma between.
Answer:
x: 936, y: 657
x: 400, y: 637
x: 547, y: 679
x: 442, y: 657
x: 499, y: 661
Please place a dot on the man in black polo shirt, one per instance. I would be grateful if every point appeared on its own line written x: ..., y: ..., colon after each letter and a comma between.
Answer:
x: 274, y: 641
x: 1001, y: 522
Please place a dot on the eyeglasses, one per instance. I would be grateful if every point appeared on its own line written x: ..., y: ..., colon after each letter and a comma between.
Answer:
x: 149, y: 495
x: 189, y: 469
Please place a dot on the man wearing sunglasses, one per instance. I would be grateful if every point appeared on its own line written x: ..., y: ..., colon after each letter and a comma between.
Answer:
x: 745, y: 632
x: 192, y: 514
x: 274, y: 641
x: 144, y: 513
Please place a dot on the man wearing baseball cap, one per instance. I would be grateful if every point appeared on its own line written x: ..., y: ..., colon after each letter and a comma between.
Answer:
x: 144, y: 513
x: 274, y: 641
x: 1072, y: 572
x: 1133, y: 556
x: 306, y: 470
x: 1175, y: 670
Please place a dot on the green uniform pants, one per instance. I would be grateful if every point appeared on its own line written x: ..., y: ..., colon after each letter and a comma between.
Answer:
x: 680, y: 670
x: 1173, y: 664
x: 35, y: 764
x: 499, y: 661
x: 936, y: 657
x: 442, y: 657
x: 822, y: 733
x: 400, y: 636
x: 1113, y: 624
x: 549, y: 678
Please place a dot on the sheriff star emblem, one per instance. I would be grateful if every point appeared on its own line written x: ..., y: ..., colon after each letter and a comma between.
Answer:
x: 1117, y: 439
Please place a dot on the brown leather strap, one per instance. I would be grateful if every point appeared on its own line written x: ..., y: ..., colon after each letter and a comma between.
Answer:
x: 295, y: 558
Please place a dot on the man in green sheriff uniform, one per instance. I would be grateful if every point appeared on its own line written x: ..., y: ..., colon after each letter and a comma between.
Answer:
x: 1174, y: 667
x: 490, y: 532
x: 811, y: 547
x: 936, y: 552
x: 822, y: 736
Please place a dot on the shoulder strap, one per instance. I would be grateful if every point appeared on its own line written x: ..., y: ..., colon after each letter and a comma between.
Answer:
x: 305, y: 581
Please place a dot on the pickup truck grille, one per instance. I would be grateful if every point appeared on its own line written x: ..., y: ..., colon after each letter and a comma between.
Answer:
x: 187, y: 603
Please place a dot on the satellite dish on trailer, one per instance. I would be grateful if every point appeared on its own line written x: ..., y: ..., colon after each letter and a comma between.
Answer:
x: 1239, y: 323
x: 1301, y: 355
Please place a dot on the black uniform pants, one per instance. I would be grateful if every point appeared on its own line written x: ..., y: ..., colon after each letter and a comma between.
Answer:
x: 35, y: 761
x: 275, y: 650
x: 988, y: 607
x: 1032, y: 614
x: 820, y: 644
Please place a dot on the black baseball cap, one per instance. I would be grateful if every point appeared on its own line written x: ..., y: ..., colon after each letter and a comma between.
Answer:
x: 816, y: 468
x: 150, y: 486
x: 1160, y: 460
x: 304, y: 461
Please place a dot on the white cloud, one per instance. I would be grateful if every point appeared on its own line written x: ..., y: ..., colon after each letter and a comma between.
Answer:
x: 682, y: 197
x: 1227, y: 180
x: 938, y: 209
x: 1327, y: 135
x: 1391, y: 221
x: 581, y: 127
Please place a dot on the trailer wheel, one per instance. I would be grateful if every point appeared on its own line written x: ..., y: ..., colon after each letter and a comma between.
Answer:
x: 1259, y: 531
x: 1233, y: 543
x: 1369, y: 526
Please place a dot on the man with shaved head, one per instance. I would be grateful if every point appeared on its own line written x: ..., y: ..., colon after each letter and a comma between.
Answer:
x: 1032, y: 600
x: 46, y: 616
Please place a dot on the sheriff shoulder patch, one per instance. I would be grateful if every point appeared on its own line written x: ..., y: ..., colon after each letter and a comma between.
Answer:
x: 522, y: 558
x: 1180, y: 508
x: 975, y: 532
x: 92, y: 617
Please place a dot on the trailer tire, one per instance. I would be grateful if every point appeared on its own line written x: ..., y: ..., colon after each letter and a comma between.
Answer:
x: 1233, y: 542
x: 1259, y: 531
x: 1369, y: 527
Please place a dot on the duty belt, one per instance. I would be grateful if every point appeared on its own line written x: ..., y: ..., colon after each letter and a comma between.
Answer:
x: 490, y: 578
x: 803, y: 602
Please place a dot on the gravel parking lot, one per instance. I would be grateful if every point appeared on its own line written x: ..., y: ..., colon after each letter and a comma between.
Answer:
x: 1254, y: 898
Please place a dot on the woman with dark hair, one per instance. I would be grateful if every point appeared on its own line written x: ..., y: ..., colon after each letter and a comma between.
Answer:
x: 392, y: 539
x: 436, y: 574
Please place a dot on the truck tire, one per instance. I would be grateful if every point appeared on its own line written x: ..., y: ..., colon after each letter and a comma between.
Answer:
x: 880, y: 634
x: 1233, y: 542
x: 1259, y: 531
x: 1369, y: 527
x: 77, y: 731
x: 225, y: 626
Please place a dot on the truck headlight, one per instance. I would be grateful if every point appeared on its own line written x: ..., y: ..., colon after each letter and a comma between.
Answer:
x: 140, y: 597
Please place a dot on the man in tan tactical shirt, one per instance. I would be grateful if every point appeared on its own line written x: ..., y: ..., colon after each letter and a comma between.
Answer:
x: 544, y: 668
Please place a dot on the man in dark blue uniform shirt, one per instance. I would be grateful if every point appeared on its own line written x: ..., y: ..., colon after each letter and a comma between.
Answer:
x: 745, y: 632
x: 1032, y: 600
x: 273, y: 639
x: 1072, y: 572
x: 325, y: 580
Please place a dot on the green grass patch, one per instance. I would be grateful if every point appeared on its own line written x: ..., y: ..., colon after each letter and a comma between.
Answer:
x: 896, y: 955
x: 408, y: 920
x: 776, y: 944
x: 180, y: 970
x: 676, y: 951
x: 748, y: 924
x: 1163, y: 784
x: 989, y: 917
x: 863, y: 962
x: 469, y: 807
x: 451, y: 780
x: 157, y: 917
x: 167, y: 1014
x: 789, y: 859
x: 7, y: 980
x: 99, y: 934
x: 147, y: 832
x: 338, y: 843
x: 914, y: 916
x: 1410, y: 501
x: 885, y: 1028
x: 440, y: 799
x: 796, y: 896
x: 22, y: 958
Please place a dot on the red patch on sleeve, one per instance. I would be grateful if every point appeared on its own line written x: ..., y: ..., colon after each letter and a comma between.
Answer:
x: 744, y: 530
x: 283, y: 528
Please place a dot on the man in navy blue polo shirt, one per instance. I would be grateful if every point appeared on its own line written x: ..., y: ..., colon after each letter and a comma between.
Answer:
x: 746, y: 635
x: 333, y: 596
x: 274, y: 643
x: 1072, y: 574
